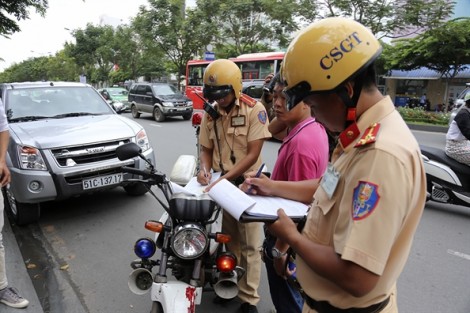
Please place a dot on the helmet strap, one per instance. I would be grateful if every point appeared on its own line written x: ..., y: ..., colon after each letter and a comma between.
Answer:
x: 350, y: 103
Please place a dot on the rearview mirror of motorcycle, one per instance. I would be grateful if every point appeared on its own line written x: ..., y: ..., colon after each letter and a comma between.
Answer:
x: 128, y: 151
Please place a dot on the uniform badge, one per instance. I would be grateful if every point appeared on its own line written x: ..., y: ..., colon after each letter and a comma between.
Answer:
x: 365, y: 199
x: 262, y: 117
x: 212, y: 78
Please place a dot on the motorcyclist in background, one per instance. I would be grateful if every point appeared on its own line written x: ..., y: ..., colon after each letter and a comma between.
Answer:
x: 458, y: 135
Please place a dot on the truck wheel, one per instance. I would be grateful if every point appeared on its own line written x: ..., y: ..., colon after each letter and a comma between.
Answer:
x: 20, y: 213
x: 136, y: 189
x: 187, y: 116
x: 135, y: 112
x: 158, y: 115
x: 156, y: 308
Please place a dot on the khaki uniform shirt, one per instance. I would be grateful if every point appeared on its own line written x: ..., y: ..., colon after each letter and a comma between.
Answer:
x: 374, y: 211
x: 234, y: 138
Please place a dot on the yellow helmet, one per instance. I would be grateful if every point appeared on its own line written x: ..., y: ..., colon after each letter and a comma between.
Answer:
x: 220, y: 78
x: 325, y: 55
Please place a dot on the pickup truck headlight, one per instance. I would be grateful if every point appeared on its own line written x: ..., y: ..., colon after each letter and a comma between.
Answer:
x: 142, y: 140
x: 190, y: 103
x: 167, y: 104
x: 30, y: 158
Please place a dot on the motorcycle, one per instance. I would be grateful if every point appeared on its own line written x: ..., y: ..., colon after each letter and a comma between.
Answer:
x: 448, y: 181
x: 190, y: 240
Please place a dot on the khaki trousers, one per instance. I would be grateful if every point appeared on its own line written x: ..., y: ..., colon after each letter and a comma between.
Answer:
x: 245, y: 244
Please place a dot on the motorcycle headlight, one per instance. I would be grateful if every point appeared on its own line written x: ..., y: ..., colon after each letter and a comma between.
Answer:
x: 142, y: 140
x: 30, y: 158
x: 145, y: 248
x: 190, y: 241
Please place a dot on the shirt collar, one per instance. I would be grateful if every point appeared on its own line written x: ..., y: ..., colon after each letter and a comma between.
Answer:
x: 373, y: 115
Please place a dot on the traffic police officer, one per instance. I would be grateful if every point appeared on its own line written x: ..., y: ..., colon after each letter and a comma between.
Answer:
x: 231, y: 139
x: 359, y: 230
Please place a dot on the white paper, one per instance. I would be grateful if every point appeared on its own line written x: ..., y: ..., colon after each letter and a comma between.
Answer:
x: 193, y: 187
x: 230, y: 198
x: 236, y: 202
x: 269, y: 205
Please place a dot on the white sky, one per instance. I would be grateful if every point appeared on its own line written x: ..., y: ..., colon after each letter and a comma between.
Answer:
x: 42, y: 36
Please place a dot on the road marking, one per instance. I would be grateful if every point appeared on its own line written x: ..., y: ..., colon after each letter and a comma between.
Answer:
x: 459, y: 254
x: 156, y: 125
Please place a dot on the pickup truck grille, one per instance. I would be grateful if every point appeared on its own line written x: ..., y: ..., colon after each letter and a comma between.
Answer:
x: 180, y: 104
x: 87, y: 154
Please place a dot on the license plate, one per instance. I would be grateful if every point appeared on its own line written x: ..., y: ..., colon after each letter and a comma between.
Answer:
x: 102, y: 181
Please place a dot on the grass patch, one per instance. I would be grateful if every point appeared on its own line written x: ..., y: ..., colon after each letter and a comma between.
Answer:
x: 422, y: 117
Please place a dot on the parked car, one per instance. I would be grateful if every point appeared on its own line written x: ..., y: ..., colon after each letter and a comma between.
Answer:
x: 160, y: 100
x: 253, y: 88
x: 63, y: 138
x: 117, y: 97
x: 459, y: 103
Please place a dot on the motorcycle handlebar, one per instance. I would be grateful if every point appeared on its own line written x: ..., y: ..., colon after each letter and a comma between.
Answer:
x: 157, y: 177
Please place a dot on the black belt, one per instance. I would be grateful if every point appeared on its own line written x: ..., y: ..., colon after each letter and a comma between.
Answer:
x: 326, y: 307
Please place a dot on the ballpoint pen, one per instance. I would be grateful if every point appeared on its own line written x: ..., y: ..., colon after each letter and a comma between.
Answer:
x: 258, y: 174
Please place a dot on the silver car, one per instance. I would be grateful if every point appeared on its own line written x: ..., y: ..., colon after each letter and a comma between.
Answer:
x: 63, y: 138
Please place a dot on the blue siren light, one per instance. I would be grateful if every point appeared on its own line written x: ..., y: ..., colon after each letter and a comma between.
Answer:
x: 144, y: 248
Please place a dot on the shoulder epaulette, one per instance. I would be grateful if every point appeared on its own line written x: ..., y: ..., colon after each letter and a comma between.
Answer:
x: 248, y: 100
x: 369, y: 136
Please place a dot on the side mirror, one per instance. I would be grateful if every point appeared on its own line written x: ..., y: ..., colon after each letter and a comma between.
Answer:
x: 128, y: 151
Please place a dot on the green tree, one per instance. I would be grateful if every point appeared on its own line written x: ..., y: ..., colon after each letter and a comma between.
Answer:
x: 245, y: 26
x: 174, y: 31
x: 95, y: 51
x: 391, y: 19
x: 445, y: 49
x: 19, y: 10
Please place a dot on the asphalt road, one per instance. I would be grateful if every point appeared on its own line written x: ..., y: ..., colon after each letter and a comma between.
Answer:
x: 81, y: 248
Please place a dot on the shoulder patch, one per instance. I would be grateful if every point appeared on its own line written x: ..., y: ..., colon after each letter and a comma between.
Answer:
x: 262, y: 117
x: 369, y: 136
x: 365, y: 200
x: 248, y: 100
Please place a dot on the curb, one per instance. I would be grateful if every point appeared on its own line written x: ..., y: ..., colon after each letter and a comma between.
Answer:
x: 17, y: 274
x: 429, y: 128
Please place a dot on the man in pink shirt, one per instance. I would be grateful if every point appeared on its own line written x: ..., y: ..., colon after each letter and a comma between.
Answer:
x: 303, y: 155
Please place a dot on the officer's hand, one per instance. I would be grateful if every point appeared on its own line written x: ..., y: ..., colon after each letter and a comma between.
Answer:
x: 256, y: 186
x: 213, y: 184
x: 204, y: 178
x: 283, y: 228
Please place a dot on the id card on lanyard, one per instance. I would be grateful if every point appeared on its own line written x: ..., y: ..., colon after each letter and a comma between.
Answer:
x: 330, y: 180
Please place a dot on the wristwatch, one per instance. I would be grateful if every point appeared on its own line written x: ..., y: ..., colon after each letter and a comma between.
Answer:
x: 277, y: 254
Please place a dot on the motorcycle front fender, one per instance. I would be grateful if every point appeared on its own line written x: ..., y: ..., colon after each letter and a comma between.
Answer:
x: 176, y: 296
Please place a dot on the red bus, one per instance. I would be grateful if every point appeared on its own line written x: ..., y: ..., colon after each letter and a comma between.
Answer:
x: 254, y: 66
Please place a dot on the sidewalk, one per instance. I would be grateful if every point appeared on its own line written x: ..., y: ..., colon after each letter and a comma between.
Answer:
x: 17, y: 274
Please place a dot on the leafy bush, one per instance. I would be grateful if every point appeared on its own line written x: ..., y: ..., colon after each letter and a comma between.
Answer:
x: 419, y: 115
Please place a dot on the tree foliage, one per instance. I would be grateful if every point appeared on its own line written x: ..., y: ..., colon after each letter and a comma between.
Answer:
x: 385, y: 18
x: 18, y: 9
x: 247, y: 25
x: 175, y: 32
x: 164, y: 35
x: 445, y: 49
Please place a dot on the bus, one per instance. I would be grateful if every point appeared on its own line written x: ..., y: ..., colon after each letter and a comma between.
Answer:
x: 254, y: 66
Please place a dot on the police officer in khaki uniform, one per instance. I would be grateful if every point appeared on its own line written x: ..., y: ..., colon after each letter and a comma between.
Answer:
x: 359, y: 230
x: 231, y: 142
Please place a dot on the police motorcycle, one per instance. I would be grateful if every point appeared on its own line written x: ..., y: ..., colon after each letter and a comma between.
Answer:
x: 188, y: 235
x: 448, y: 181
